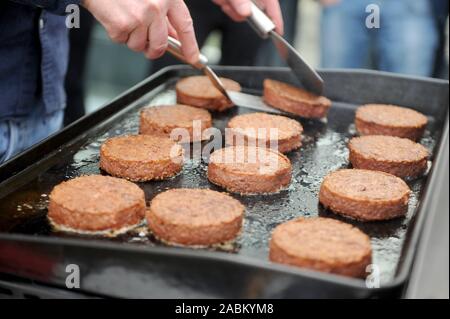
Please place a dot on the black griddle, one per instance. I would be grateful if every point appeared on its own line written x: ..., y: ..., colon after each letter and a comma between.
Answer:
x: 137, y: 265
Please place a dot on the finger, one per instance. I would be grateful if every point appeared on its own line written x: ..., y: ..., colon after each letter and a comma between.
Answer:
x: 242, y: 7
x: 229, y: 11
x: 273, y: 10
x: 172, y: 31
x: 138, y: 39
x: 119, y: 32
x: 181, y: 20
x: 219, y: 2
x: 157, y: 35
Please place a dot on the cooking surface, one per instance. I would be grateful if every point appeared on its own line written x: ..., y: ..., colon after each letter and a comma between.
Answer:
x: 324, y: 150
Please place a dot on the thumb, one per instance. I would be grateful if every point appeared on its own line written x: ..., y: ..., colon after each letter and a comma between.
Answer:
x: 242, y: 7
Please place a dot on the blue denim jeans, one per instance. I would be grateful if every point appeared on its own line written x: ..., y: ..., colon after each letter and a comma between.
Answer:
x: 19, y: 133
x: 406, y: 41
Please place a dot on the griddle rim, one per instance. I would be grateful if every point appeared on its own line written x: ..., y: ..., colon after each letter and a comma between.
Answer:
x: 50, y: 145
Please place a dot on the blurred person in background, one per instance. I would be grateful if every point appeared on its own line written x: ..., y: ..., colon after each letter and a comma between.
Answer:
x: 79, y: 40
x: 34, y: 54
x: 405, y: 41
x: 239, y: 43
x: 440, y: 9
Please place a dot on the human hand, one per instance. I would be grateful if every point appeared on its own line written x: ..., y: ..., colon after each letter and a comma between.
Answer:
x: 239, y: 10
x: 329, y: 3
x: 144, y: 25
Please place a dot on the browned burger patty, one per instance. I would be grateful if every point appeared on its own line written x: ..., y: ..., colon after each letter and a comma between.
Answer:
x: 365, y: 195
x: 163, y: 120
x: 141, y: 157
x: 249, y: 170
x: 96, y: 205
x: 295, y: 100
x: 200, y: 92
x: 322, y: 244
x: 255, y: 129
x: 394, y: 155
x: 379, y: 119
x: 195, y: 217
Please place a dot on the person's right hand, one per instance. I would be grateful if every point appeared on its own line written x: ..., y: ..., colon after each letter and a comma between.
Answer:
x: 329, y: 3
x: 240, y: 10
x: 144, y: 25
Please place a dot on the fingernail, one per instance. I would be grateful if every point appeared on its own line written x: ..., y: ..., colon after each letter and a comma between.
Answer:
x: 243, y: 9
x: 193, y: 57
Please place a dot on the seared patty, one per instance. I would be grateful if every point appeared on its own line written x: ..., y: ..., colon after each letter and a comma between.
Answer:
x: 96, y: 204
x: 255, y: 129
x: 200, y: 92
x: 249, y: 170
x: 141, y: 157
x: 164, y: 119
x: 195, y: 217
x: 295, y: 100
x: 398, y: 156
x: 365, y: 195
x: 380, y: 119
x: 322, y: 244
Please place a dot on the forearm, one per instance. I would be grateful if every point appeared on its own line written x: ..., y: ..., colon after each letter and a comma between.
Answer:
x: 54, y: 6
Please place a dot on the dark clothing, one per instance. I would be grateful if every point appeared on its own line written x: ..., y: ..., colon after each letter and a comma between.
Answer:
x: 440, y: 9
x: 79, y: 48
x: 33, y: 55
x: 268, y: 54
x: 240, y: 43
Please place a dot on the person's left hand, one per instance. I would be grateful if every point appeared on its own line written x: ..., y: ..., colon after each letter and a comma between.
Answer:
x: 239, y: 10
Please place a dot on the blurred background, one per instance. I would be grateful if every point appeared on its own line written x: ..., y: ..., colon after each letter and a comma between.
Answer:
x: 412, y: 39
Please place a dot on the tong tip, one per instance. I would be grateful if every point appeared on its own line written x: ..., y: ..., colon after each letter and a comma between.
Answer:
x: 216, y: 82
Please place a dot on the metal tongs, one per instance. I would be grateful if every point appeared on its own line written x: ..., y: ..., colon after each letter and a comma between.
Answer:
x: 262, y: 24
x: 238, y: 98
x: 174, y: 47
x: 265, y: 28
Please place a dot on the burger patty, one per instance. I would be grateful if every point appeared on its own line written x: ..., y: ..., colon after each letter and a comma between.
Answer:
x: 249, y: 170
x: 380, y: 119
x: 141, y: 157
x: 163, y: 120
x: 295, y: 100
x: 322, y: 244
x: 394, y: 155
x: 256, y: 129
x: 200, y: 92
x: 96, y: 205
x: 195, y: 217
x: 365, y: 195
